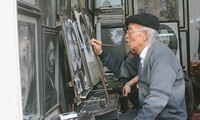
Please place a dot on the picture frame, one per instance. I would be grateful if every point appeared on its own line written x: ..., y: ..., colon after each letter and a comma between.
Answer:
x: 184, y: 44
x: 65, y: 77
x: 194, y: 31
x: 194, y: 41
x: 169, y: 34
x: 106, y: 3
x: 50, y: 70
x: 165, y: 10
x: 48, y: 12
x: 127, y: 7
x: 86, y: 34
x: 78, y: 67
x: 29, y: 69
x: 182, y: 14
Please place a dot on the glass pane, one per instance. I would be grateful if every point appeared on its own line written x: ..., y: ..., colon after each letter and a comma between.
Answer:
x: 48, y: 8
x: 51, y: 80
x: 27, y: 50
x: 194, y: 41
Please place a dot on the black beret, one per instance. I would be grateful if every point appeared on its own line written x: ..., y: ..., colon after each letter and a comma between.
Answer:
x: 144, y: 19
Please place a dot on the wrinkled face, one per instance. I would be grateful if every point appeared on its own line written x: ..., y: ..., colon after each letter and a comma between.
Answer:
x: 24, y: 50
x: 51, y: 56
x: 136, y: 37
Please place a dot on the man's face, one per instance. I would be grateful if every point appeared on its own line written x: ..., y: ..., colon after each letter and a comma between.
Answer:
x: 51, y: 56
x: 136, y: 38
x: 164, y: 37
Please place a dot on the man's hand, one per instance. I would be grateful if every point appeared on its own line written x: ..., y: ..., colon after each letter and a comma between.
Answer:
x: 96, y: 45
x: 126, y: 90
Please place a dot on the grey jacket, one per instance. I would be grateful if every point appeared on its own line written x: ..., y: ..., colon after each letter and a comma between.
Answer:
x: 161, y: 83
x: 161, y: 86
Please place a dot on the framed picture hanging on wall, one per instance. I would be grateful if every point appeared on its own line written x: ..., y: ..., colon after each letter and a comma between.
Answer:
x: 169, y: 34
x: 165, y: 10
x: 50, y: 72
x: 27, y: 38
x: 108, y: 3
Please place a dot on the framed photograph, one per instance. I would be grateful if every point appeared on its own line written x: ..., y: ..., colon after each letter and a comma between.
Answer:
x: 194, y: 41
x: 194, y: 29
x: 165, y: 10
x: 51, y: 71
x: 48, y: 12
x: 60, y: 4
x: 27, y: 33
x: 169, y: 34
x: 78, y: 67
x: 107, y: 3
x: 184, y: 44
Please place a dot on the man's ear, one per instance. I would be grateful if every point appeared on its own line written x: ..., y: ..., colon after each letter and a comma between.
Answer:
x: 145, y: 35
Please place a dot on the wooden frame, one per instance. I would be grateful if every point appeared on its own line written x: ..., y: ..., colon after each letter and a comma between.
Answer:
x: 169, y: 34
x: 51, y: 70
x: 163, y: 9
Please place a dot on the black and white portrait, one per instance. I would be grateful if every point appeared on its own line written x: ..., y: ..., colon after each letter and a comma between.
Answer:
x: 106, y: 3
x: 27, y: 56
x: 26, y: 69
x: 114, y: 36
x: 85, y: 36
x: 50, y: 71
x: 78, y: 82
x: 85, y: 33
x: 168, y: 37
x: 164, y: 9
x: 73, y: 46
x: 48, y: 12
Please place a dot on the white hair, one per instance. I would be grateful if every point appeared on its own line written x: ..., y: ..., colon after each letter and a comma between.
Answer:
x: 152, y: 35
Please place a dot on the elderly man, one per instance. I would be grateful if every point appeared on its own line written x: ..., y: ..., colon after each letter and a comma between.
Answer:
x: 160, y: 76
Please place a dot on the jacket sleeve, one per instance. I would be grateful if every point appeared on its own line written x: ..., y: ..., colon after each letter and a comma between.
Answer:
x: 127, y: 68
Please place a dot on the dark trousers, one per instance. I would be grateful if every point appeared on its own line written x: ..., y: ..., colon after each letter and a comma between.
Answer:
x: 133, y: 96
x: 129, y: 115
